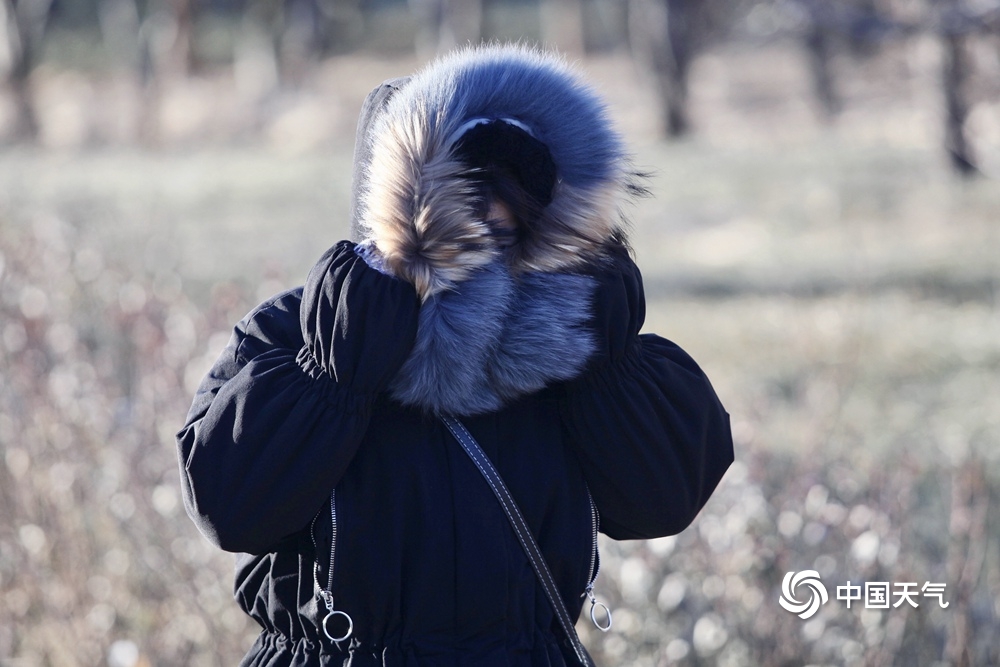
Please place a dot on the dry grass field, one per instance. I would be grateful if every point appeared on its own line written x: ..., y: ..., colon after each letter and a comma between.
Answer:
x: 836, y: 281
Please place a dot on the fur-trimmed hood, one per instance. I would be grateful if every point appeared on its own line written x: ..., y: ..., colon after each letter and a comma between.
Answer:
x: 492, y: 327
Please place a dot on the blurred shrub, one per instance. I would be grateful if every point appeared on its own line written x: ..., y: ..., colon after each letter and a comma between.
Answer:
x: 710, y: 595
x: 99, y: 358
x: 97, y: 561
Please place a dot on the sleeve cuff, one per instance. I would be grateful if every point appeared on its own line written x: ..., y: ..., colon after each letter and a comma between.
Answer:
x: 608, y: 372
x: 333, y: 394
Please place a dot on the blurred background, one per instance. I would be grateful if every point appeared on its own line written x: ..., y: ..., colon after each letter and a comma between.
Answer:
x: 823, y: 238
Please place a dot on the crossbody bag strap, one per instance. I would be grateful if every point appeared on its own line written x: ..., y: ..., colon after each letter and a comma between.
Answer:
x: 522, y: 531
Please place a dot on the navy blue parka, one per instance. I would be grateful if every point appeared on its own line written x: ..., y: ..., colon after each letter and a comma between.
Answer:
x: 313, y: 447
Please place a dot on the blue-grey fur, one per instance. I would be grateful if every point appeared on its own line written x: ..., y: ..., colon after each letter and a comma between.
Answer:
x: 545, y: 338
x: 494, y: 339
x: 457, y: 333
x: 528, y: 85
x: 415, y: 191
x: 494, y: 324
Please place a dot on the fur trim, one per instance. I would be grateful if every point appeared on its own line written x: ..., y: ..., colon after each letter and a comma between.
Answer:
x: 493, y: 327
x: 457, y: 334
x: 416, y: 207
x: 493, y: 339
x: 544, y: 339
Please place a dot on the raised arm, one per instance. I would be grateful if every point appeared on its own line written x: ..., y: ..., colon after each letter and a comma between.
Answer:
x: 278, y: 419
x: 649, y: 431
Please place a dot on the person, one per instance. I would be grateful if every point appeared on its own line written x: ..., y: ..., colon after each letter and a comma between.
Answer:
x: 488, y: 279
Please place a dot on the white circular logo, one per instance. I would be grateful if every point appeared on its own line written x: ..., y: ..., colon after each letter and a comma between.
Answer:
x: 817, y: 595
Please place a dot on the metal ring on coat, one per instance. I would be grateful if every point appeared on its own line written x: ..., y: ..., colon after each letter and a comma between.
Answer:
x: 336, y: 615
x: 593, y: 615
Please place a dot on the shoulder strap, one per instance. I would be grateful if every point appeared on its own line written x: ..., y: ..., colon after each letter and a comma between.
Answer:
x: 522, y: 531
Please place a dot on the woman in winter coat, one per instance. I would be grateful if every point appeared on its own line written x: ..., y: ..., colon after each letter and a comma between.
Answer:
x: 490, y: 283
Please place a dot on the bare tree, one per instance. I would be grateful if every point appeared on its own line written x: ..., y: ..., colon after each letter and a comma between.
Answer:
x: 968, y: 546
x: 444, y: 24
x: 339, y: 23
x: 865, y: 23
x: 155, y: 40
x: 955, y: 26
x: 664, y: 38
x: 562, y: 24
x: 818, y: 42
x: 24, y: 26
x: 181, y: 51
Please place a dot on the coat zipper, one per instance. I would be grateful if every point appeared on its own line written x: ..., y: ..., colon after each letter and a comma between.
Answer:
x: 595, y: 568
x: 333, y: 617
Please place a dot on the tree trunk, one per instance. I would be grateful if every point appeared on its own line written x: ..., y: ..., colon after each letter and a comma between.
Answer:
x: 25, y: 24
x: 819, y: 46
x: 562, y: 25
x: 956, y: 105
x: 444, y: 24
x: 663, y: 39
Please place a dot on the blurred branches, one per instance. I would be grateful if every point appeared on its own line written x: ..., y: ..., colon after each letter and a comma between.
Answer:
x: 96, y: 360
x: 22, y: 26
x: 273, y: 46
x: 708, y: 596
x: 667, y: 34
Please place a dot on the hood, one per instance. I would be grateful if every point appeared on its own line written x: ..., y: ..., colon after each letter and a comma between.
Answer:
x: 372, y: 109
x: 492, y: 327
x: 413, y: 201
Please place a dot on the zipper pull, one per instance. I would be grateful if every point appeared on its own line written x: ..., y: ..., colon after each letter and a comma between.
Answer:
x: 594, y: 604
x: 337, y: 625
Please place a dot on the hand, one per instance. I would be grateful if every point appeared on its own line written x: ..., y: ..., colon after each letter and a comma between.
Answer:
x: 619, y: 304
x: 359, y: 324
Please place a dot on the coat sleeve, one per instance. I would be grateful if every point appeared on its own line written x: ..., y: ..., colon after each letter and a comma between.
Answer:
x: 279, y: 417
x: 648, y: 428
x: 652, y: 437
x: 268, y: 434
